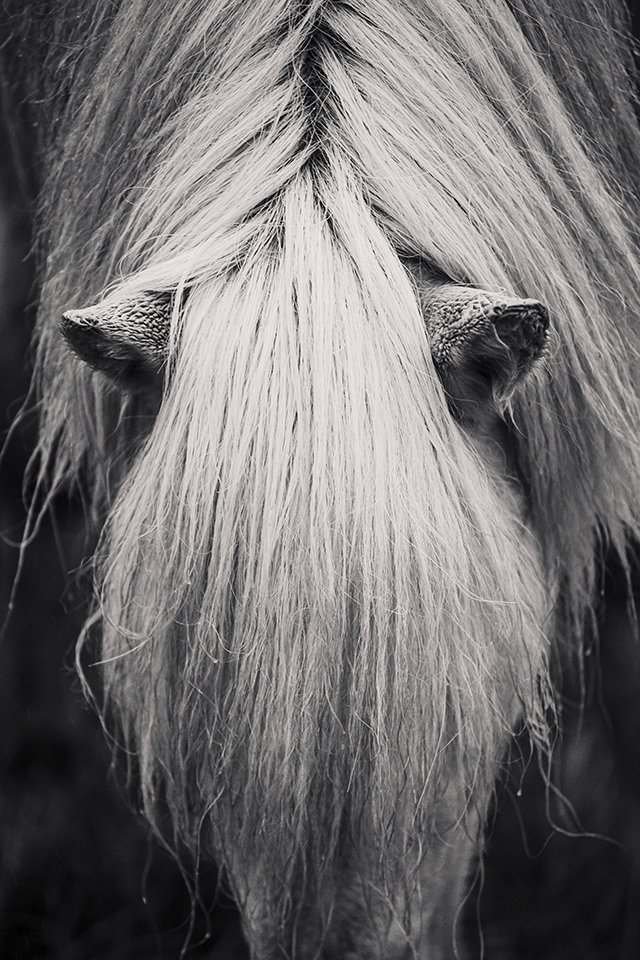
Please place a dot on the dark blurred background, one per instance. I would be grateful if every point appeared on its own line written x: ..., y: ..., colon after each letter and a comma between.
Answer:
x: 80, y: 877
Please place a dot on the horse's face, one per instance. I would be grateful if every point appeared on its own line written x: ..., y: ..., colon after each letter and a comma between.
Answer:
x: 342, y: 487
x: 315, y: 624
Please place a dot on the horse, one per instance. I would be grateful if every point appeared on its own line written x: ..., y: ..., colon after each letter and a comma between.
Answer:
x: 338, y: 340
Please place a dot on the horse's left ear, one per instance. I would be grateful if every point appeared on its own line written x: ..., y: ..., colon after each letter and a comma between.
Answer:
x: 127, y: 340
x: 483, y: 345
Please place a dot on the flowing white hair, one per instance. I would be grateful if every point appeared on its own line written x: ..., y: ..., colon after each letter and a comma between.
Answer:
x: 318, y: 608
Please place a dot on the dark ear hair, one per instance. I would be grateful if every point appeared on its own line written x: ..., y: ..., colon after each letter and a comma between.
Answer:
x: 127, y: 340
x: 482, y: 344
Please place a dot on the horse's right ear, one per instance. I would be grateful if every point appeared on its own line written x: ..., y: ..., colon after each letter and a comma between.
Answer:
x: 127, y: 340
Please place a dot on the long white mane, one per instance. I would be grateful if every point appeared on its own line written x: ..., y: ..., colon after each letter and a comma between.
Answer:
x: 319, y: 611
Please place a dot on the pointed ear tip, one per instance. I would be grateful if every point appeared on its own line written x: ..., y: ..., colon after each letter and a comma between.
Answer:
x: 72, y: 319
x: 522, y: 324
x: 69, y: 323
x: 76, y: 332
x: 537, y: 311
x: 530, y: 308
